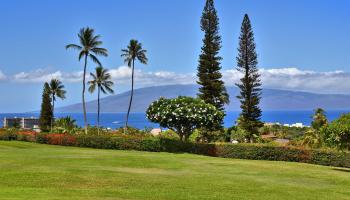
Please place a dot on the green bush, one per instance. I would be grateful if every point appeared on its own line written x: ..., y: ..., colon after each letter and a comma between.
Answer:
x: 261, y: 152
x: 284, y: 153
x: 170, y: 134
x: 118, y: 142
x: 161, y: 144
x: 337, y: 133
x: 8, y: 134
x: 330, y: 158
x: 41, y: 138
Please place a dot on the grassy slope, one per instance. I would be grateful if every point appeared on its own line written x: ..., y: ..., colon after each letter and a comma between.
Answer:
x: 33, y: 171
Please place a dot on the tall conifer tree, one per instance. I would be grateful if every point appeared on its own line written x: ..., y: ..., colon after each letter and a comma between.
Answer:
x: 250, y: 91
x: 46, y: 113
x: 212, y: 89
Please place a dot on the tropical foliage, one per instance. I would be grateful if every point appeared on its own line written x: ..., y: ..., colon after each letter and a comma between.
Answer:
x: 313, y: 137
x: 133, y: 52
x: 337, y: 133
x: 319, y: 119
x: 183, y: 115
x: 65, y: 125
x: 102, y: 81
x: 89, y: 48
x: 56, y: 89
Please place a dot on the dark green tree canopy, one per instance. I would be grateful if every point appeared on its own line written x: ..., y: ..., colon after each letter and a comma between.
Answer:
x: 46, y: 113
x: 250, y: 84
x: 212, y: 89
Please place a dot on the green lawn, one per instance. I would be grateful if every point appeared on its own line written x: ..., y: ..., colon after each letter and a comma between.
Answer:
x: 34, y: 171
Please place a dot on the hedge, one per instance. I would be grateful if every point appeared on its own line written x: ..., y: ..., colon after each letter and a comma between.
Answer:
x: 157, y: 144
x: 284, y: 153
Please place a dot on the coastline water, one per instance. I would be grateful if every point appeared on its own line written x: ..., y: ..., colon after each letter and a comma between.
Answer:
x: 138, y: 120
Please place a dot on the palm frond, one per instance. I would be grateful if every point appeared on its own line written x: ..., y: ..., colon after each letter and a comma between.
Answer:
x: 73, y: 46
x: 102, y: 89
x: 125, y: 51
x: 61, y: 94
x: 102, y: 80
x: 100, y: 51
x: 92, y: 86
x: 94, y: 59
x: 93, y: 76
x: 107, y: 89
x: 81, y: 54
x: 56, y: 88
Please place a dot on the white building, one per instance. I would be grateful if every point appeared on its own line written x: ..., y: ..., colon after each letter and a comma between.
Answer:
x: 23, y: 122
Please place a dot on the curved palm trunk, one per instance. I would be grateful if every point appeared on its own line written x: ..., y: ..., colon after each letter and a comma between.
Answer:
x: 53, y: 111
x: 98, y: 110
x: 83, y: 96
x: 131, y: 95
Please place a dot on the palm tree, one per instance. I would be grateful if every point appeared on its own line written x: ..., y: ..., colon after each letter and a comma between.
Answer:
x: 133, y: 52
x: 56, y: 89
x: 89, y: 47
x: 102, y: 80
x: 65, y: 125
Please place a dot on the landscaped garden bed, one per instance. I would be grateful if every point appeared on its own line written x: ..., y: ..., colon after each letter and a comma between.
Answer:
x: 158, y: 144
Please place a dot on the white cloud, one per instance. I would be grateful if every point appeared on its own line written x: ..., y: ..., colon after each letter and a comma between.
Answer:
x: 277, y: 78
x: 122, y: 75
x: 301, y: 80
x: 42, y: 75
x: 2, y: 76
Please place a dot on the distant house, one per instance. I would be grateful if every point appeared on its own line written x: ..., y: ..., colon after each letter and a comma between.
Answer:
x: 275, y: 139
x: 156, y: 131
x: 23, y: 122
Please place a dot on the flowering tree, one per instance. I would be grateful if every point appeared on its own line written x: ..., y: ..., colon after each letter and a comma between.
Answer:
x: 184, y: 114
x: 337, y: 133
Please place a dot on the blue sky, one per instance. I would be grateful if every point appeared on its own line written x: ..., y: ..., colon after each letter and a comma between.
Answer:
x: 299, y: 41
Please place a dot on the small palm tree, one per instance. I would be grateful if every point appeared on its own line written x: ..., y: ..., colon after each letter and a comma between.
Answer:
x: 56, y: 89
x: 133, y: 52
x: 65, y: 125
x: 89, y: 48
x: 319, y: 119
x: 102, y: 80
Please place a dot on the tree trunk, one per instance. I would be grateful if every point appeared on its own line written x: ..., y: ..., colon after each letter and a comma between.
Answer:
x: 53, y: 111
x: 98, y: 110
x: 83, y: 95
x: 186, y: 138
x: 181, y: 137
x: 131, y: 95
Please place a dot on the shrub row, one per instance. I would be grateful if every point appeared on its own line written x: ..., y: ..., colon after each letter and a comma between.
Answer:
x: 284, y: 153
x: 156, y: 144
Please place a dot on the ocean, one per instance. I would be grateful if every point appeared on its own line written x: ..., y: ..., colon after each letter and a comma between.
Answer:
x: 138, y: 120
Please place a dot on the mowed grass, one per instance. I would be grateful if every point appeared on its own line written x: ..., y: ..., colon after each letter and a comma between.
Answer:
x: 34, y: 171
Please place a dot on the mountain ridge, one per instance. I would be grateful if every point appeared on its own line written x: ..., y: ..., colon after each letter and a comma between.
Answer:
x: 272, y: 99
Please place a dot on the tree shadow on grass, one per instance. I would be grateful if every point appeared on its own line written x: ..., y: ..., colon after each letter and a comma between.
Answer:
x: 341, y: 169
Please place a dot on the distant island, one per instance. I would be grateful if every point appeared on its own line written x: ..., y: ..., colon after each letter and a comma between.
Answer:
x: 272, y: 99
